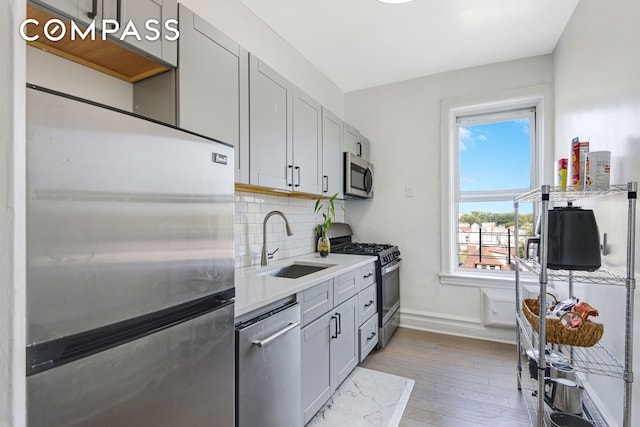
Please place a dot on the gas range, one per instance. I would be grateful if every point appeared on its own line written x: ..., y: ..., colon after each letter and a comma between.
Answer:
x: 386, y: 253
x: 387, y: 276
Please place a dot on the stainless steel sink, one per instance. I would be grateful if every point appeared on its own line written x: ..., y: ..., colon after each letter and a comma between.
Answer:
x: 295, y: 271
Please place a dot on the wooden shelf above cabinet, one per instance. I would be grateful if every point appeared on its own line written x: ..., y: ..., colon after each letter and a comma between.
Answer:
x: 264, y: 190
x: 101, y: 55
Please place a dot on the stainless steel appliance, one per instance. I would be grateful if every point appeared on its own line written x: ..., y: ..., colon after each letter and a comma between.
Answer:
x: 130, y: 274
x: 387, y: 276
x: 358, y: 176
x: 268, y: 371
x: 563, y: 395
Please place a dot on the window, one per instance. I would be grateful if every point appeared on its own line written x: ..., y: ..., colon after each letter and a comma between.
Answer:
x: 492, y: 154
x: 495, y: 153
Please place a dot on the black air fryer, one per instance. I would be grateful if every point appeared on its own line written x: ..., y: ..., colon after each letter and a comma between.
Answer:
x: 574, y: 240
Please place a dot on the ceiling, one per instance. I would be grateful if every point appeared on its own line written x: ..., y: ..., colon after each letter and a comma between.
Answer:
x: 365, y: 43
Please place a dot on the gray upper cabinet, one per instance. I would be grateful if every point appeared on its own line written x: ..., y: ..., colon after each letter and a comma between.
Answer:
x: 269, y: 111
x: 331, y: 154
x: 140, y: 12
x: 284, y: 128
x: 350, y: 139
x: 307, y: 147
x: 363, y: 147
x: 354, y: 142
x: 213, y: 86
x: 123, y: 11
x: 316, y: 341
x: 79, y: 10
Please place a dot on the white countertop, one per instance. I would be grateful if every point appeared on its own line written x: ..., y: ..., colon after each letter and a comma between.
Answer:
x: 256, y: 288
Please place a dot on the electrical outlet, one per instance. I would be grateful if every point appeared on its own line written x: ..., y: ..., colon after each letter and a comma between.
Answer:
x: 409, y: 190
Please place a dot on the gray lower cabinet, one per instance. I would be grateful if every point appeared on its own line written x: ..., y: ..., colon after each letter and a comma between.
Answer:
x: 345, y: 286
x: 329, y: 354
x: 316, y: 365
x: 344, y: 344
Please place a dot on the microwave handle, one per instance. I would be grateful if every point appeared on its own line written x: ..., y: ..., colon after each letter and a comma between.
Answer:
x: 368, y: 180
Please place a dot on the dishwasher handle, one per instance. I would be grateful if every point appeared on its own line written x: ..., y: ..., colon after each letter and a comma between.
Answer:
x: 262, y: 343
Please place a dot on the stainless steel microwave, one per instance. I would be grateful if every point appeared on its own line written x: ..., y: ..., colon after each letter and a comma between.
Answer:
x: 358, y: 176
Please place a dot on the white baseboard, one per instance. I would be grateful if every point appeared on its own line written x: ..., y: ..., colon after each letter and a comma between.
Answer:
x: 602, y: 409
x: 468, y: 327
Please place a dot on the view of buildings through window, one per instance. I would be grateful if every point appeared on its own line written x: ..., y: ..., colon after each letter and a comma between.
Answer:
x: 495, y: 164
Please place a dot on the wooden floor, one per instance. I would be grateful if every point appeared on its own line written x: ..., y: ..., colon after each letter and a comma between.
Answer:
x: 459, y: 381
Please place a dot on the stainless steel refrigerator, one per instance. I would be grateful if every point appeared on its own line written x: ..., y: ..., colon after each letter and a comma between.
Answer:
x: 130, y: 275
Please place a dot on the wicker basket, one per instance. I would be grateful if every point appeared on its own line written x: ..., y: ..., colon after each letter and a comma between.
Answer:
x: 586, y: 335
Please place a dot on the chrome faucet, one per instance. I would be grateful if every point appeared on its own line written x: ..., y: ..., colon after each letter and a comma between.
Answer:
x: 265, y: 255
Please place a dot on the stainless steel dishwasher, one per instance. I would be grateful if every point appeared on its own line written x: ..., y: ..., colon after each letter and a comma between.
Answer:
x: 268, y: 369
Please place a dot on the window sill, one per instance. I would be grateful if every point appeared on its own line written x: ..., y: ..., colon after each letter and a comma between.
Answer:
x: 487, y: 280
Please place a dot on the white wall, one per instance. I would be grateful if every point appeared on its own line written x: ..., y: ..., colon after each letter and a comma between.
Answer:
x: 402, y: 121
x: 597, y: 87
x: 12, y: 215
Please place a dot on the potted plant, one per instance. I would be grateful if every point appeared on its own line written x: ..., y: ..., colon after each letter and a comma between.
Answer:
x: 324, y: 247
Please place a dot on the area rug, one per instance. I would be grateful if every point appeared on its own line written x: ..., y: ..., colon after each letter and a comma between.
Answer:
x: 366, y: 398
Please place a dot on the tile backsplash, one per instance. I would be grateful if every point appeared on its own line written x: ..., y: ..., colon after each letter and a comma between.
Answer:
x: 250, y: 210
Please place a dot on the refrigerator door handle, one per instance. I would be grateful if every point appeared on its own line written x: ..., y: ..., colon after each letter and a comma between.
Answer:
x: 262, y: 343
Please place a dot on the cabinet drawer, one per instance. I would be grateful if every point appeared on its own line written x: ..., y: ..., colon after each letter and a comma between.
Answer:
x: 366, y: 304
x: 368, y: 274
x: 344, y: 287
x: 316, y: 301
x: 368, y: 336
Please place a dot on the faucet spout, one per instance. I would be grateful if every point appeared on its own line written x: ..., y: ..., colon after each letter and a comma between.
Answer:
x: 265, y: 255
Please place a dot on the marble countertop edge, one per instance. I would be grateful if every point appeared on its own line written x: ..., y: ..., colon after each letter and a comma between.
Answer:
x: 256, y: 288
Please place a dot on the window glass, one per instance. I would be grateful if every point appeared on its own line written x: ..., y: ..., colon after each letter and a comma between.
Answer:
x: 486, y: 234
x: 495, y: 156
x: 494, y: 165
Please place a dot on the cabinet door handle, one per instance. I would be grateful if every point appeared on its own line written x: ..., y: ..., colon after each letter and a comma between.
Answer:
x: 325, y: 184
x: 94, y: 10
x: 262, y: 343
x: 336, y: 335
x: 297, y: 168
x: 290, y: 183
x: 118, y: 14
x: 370, y: 337
x: 359, y: 149
x: 369, y: 304
x: 339, y: 323
x: 119, y: 11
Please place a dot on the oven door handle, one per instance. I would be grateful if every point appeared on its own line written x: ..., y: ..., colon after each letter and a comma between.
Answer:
x: 392, y: 268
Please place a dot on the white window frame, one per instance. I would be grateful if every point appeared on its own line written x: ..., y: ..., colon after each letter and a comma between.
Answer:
x: 542, y: 167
